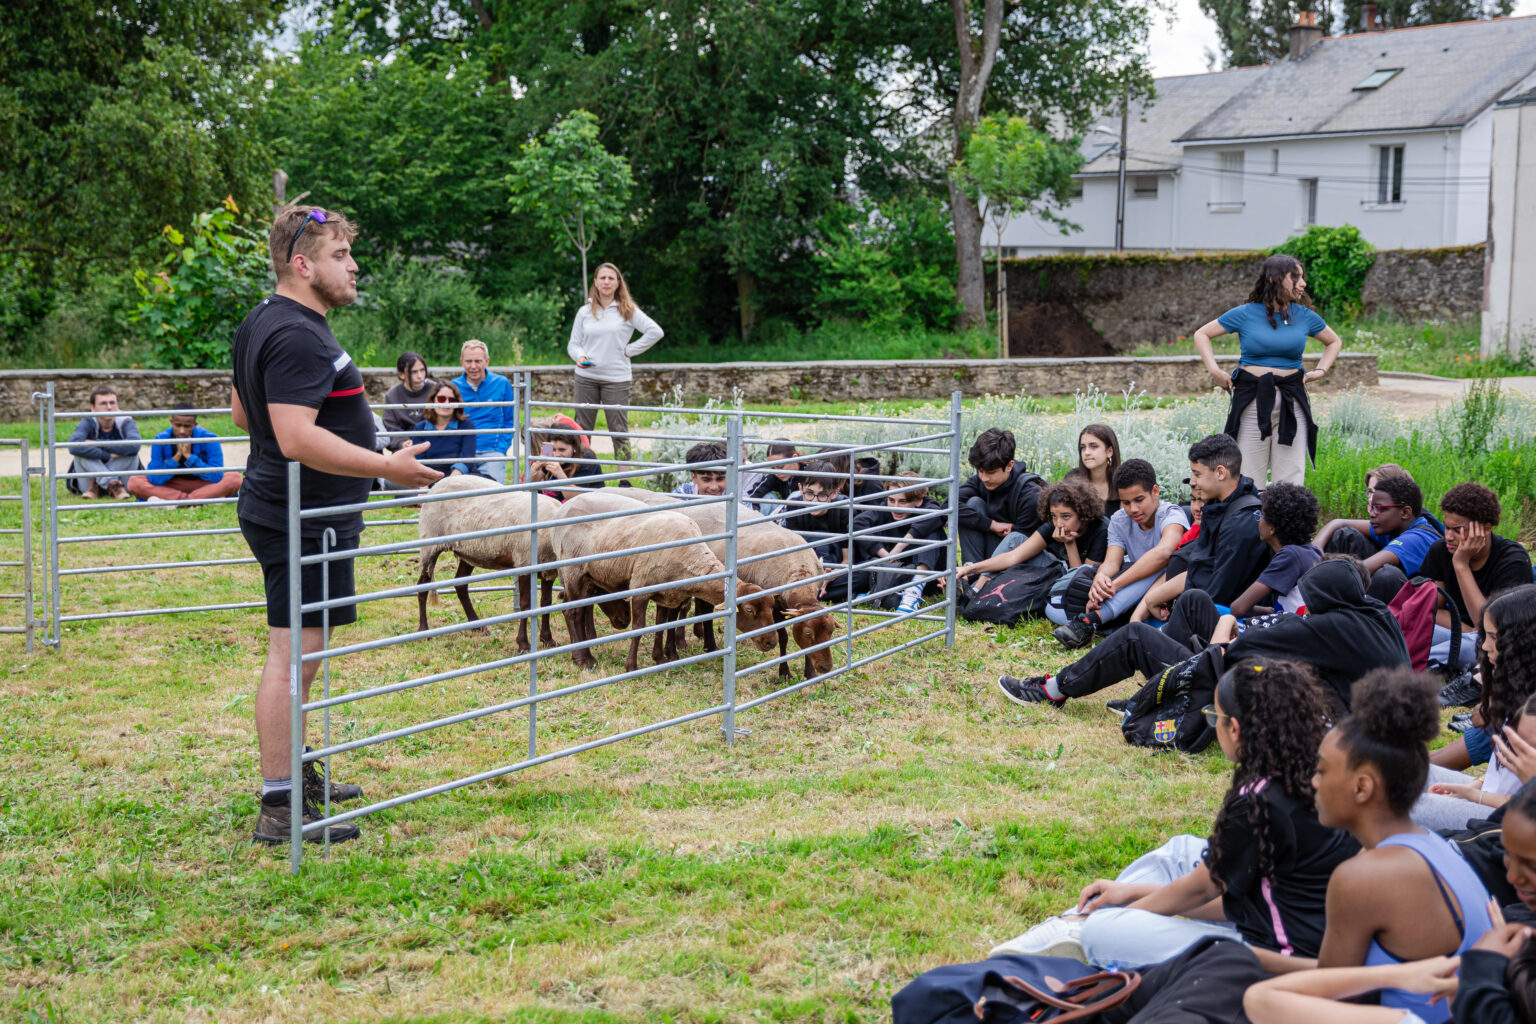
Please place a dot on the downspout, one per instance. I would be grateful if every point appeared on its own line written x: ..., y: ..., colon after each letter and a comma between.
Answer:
x: 1173, y: 215
x: 1446, y: 191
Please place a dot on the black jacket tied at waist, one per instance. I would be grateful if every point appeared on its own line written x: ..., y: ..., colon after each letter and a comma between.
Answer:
x: 1261, y: 387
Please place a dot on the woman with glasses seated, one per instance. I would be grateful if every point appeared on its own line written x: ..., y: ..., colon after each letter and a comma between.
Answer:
x: 449, y: 433
x: 1261, y: 877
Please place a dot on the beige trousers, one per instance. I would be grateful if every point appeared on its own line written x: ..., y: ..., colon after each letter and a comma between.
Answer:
x: 1266, y: 456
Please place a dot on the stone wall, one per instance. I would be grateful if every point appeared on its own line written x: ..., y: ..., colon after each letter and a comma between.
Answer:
x: 758, y: 383
x: 1084, y: 305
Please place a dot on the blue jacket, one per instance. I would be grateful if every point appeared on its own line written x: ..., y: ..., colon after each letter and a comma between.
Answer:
x: 206, y: 461
x: 495, y: 388
x: 452, y: 442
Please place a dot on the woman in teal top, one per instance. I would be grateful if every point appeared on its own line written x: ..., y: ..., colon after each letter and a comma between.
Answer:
x: 1272, y: 328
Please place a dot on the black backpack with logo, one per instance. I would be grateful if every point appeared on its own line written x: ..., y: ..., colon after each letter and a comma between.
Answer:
x: 1168, y: 712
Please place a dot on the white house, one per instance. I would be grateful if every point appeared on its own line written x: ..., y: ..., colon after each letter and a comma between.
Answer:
x: 1509, y: 301
x: 1389, y: 131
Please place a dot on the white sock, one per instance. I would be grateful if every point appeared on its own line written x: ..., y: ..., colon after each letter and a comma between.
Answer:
x: 1052, y: 690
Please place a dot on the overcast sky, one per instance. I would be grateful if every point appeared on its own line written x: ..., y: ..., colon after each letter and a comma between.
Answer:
x: 1180, y: 48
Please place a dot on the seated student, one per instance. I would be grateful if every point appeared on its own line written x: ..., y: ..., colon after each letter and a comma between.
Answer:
x: 1142, y: 536
x: 1098, y: 456
x: 896, y: 535
x: 777, y: 482
x: 1508, y: 670
x: 1263, y: 874
x: 447, y: 429
x: 823, y: 522
x: 1398, y: 532
x: 999, y: 504
x: 1287, y: 520
x: 1072, y: 533
x: 1344, y: 634
x: 414, y: 391
x: 864, y: 467
x: 105, y: 445
x: 562, y: 448
x: 1409, y: 895
x: 184, y: 468
x: 1471, y: 563
x: 706, y: 483
x: 1454, y: 800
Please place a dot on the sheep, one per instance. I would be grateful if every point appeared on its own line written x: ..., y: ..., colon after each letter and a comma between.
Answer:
x: 629, y: 571
x: 760, y: 538
x: 504, y: 551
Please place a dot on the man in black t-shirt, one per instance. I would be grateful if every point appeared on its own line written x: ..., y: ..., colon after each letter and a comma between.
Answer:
x: 1472, y: 563
x: 300, y: 397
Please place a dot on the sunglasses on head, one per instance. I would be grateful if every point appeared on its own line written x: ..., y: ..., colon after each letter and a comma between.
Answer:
x: 318, y: 216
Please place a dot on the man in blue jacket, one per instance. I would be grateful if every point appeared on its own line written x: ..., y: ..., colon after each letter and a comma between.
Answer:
x: 479, y: 384
x: 184, y: 468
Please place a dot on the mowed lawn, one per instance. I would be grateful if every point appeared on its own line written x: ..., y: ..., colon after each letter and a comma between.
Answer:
x: 896, y: 818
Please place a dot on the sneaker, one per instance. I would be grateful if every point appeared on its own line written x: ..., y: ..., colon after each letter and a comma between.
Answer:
x: 274, y: 823
x: 1055, y: 936
x: 1118, y: 706
x: 1028, y: 691
x: 117, y: 490
x: 1074, y: 634
x: 93, y: 491
x: 911, y: 599
x: 1464, y: 691
x: 1460, y: 723
x: 155, y: 499
x: 964, y: 593
x: 314, y: 790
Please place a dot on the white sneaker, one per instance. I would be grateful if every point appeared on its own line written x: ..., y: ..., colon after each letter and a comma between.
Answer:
x: 911, y: 599
x: 1055, y: 936
x: 155, y: 499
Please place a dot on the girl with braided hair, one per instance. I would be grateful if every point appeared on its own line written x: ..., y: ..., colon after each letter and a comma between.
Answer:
x: 1262, y: 876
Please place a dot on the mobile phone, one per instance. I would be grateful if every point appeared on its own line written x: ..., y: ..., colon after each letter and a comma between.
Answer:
x: 547, y: 449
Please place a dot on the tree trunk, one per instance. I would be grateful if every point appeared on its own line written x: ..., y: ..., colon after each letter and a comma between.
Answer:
x: 746, y: 287
x: 977, y: 57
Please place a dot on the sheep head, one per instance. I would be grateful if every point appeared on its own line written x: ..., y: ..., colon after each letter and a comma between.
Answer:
x: 754, y: 613
x: 812, y: 632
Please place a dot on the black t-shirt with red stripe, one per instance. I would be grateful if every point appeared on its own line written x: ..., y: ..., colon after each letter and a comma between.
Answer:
x: 285, y: 354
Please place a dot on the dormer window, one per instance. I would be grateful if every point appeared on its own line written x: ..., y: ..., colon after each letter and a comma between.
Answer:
x: 1378, y: 78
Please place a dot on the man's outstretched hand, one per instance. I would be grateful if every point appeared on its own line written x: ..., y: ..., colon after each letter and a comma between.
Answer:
x: 402, y: 469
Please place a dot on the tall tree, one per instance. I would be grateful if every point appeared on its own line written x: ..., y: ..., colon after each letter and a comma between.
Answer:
x: 1252, y: 32
x: 1409, y: 13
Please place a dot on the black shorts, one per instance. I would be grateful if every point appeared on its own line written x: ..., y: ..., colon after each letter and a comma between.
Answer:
x: 271, y: 549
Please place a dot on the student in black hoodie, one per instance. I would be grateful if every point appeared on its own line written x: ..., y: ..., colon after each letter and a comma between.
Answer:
x: 1344, y: 635
x: 904, y: 499
x: 998, y: 504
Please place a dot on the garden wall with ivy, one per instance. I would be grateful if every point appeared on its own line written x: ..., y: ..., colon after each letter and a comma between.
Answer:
x: 1099, y: 304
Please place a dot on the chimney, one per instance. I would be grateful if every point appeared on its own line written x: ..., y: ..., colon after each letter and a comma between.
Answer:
x: 1370, y: 18
x: 1306, y: 33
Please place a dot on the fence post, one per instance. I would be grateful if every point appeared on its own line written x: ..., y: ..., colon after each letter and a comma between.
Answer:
x: 519, y: 426
x: 532, y: 620
x: 326, y: 540
x: 848, y: 573
x: 728, y: 624
x: 951, y: 585
x: 26, y: 542
x: 295, y: 674
x: 51, y: 497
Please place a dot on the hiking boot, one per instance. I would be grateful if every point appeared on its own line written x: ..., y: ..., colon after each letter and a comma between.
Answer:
x: 1076, y: 633
x: 93, y: 491
x: 274, y: 823
x: 1464, y: 691
x: 117, y: 490
x: 314, y: 787
x: 1028, y: 691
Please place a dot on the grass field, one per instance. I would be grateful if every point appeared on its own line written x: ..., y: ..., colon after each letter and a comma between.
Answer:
x: 894, y: 819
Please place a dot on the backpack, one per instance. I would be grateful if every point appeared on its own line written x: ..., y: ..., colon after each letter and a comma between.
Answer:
x: 1012, y: 988
x: 1013, y: 594
x: 1168, y: 712
x: 1414, y: 608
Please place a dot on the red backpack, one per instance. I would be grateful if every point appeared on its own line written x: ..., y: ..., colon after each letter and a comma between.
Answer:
x: 1414, y: 608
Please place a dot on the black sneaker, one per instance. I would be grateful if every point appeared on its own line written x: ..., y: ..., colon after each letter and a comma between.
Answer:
x: 964, y: 593
x: 1118, y: 706
x: 1461, y: 722
x: 314, y: 787
x: 1464, y: 691
x: 1075, y: 634
x: 274, y: 823
x: 1028, y: 691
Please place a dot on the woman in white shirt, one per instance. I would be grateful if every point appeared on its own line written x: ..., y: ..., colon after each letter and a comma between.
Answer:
x: 601, y: 347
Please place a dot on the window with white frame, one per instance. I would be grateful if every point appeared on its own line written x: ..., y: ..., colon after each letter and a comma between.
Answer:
x: 1389, y: 175
x: 1229, y: 179
x: 1144, y: 186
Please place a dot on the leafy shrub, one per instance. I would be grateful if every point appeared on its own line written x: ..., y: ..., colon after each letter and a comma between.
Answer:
x: 1336, y: 261
x: 208, y: 283
x: 888, y: 266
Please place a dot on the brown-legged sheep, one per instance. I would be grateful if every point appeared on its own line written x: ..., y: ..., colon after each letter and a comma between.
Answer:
x: 632, y: 571
x: 504, y: 551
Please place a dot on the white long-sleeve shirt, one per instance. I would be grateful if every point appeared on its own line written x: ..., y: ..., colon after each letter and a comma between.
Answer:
x: 604, y: 340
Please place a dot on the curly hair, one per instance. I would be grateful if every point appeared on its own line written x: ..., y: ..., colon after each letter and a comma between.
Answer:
x: 1269, y: 289
x: 1474, y: 502
x: 1394, y: 713
x: 1134, y: 473
x: 1076, y: 494
x: 1284, y: 715
x: 1291, y: 511
x: 1508, y: 684
x: 1402, y: 490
